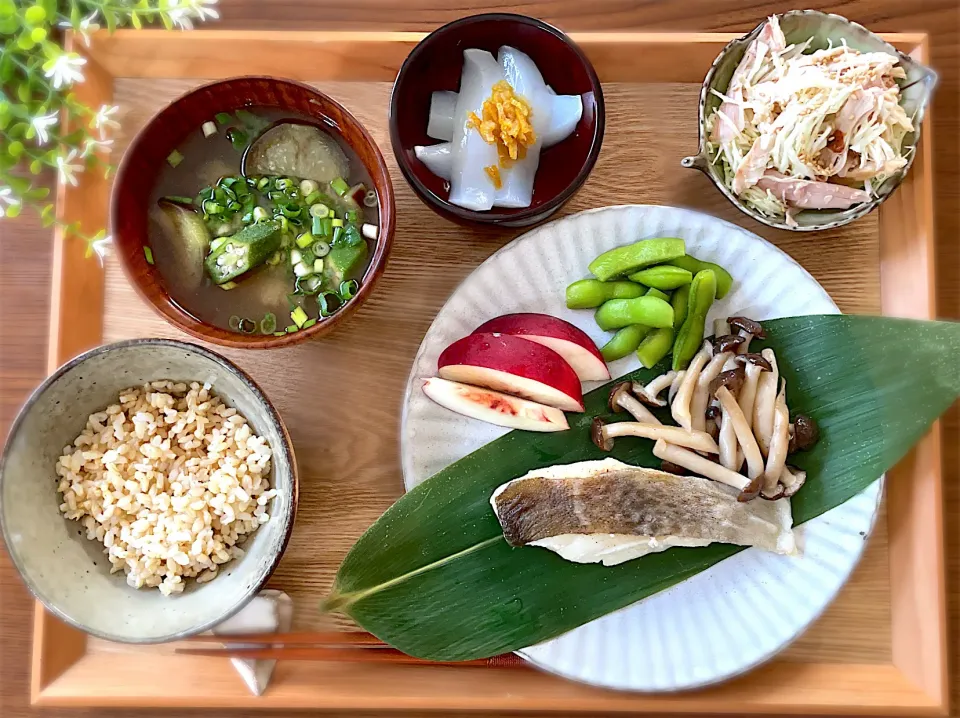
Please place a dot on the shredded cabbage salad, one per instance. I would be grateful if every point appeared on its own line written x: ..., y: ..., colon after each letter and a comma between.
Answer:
x: 818, y: 130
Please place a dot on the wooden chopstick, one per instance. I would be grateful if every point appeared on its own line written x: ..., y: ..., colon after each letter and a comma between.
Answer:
x: 335, y: 639
x: 350, y: 655
x: 342, y: 646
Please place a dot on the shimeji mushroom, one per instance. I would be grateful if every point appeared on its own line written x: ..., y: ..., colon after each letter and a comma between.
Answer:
x: 734, y: 415
x: 779, y: 442
x: 603, y: 435
x: 765, y: 402
x: 675, y: 385
x: 728, y: 343
x: 680, y: 408
x: 704, y: 467
x: 806, y: 433
x: 650, y: 393
x: 755, y: 365
x: 748, y: 329
x: 621, y: 399
x: 701, y: 393
x: 730, y: 456
x: 792, y: 479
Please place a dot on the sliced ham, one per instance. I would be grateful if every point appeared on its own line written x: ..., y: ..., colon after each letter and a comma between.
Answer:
x: 808, y: 194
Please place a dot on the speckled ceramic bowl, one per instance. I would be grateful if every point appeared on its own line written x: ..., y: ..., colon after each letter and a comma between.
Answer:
x: 70, y: 574
x: 824, y: 28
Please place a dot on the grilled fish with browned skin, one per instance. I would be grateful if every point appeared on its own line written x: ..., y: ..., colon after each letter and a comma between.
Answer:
x: 610, y: 512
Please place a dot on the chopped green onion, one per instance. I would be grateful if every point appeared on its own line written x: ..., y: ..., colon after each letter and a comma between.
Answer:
x: 295, y: 256
x: 234, y: 206
x: 299, y: 316
x: 252, y: 181
x: 211, y: 207
x: 317, y: 265
x: 234, y: 323
x: 260, y: 214
x: 340, y: 186
x: 274, y: 259
x: 268, y: 325
x: 348, y: 289
x: 280, y: 334
x: 174, y: 158
x: 227, y: 181
x: 336, y: 222
x: 238, y: 138
x: 337, y: 232
x: 320, y: 249
x: 283, y: 183
x: 328, y: 306
x: 290, y: 210
x: 178, y: 199
x: 148, y: 254
x: 370, y: 198
x: 326, y: 227
x: 316, y: 225
x: 292, y: 328
x: 302, y: 270
x: 223, y: 118
x: 309, y: 323
x: 262, y: 183
x: 305, y: 240
x: 248, y: 326
x: 284, y: 223
x: 308, y: 187
x: 310, y: 199
x: 319, y: 210
x: 248, y: 118
x: 353, y: 215
x: 227, y: 286
x: 309, y: 285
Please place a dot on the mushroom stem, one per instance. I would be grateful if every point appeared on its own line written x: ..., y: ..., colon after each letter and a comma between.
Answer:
x: 779, y: 441
x: 696, y: 440
x: 675, y: 385
x: 706, y: 468
x: 748, y: 394
x: 720, y: 327
x: 680, y: 408
x: 765, y: 402
x: 792, y: 479
x: 747, y: 338
x: 733, y: 414
x: 620, y: 398
x: 650, y: 392
x: 701, y: 394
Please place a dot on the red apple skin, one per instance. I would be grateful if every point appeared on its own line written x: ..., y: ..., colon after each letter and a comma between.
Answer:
x: 570, y: 342
x: 494, y: 407
x: 513, y: 366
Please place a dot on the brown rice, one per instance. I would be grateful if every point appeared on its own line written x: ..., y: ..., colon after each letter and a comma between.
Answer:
x: 169, y: 480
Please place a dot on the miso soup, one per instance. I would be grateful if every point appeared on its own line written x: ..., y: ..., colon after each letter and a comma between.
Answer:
x: 262, y: 222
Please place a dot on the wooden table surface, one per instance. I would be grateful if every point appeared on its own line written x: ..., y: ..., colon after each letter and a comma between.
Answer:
x: 25, y: 248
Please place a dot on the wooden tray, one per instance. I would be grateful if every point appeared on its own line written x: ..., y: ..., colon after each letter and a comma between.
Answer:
x: 879, y: 649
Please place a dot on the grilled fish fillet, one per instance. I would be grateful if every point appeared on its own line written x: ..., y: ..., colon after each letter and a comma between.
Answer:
x: 610, y: 512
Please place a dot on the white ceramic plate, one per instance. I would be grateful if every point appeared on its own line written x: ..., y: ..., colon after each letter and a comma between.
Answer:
x: 741, y: 611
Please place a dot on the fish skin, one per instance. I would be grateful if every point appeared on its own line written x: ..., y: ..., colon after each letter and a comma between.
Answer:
x: 603, y: 498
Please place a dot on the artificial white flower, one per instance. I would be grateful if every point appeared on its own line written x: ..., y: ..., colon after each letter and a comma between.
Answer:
x: 103, y: 119
x: 40, y: 125
x: 65, y: 70
x: 66, y: 170
x: 86, y: 26
x: 91, y: 145
x: 7, y: 198
x: 204, y: 9
x: 102, y: 247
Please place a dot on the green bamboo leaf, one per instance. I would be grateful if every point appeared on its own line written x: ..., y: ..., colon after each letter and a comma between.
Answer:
x: 434, y: 577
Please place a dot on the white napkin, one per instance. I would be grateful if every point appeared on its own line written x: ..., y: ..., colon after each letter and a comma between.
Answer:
x: 269, y: 612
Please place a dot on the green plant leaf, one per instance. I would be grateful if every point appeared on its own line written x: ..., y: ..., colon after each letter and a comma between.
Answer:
x: 434, y: 577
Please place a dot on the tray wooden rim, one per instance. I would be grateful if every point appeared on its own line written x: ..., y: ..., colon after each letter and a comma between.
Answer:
x: 63, y: 673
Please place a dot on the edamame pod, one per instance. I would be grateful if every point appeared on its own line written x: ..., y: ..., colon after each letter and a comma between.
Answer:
x: 655, y: 346
x: 663, y: 277
x: 624, y: 260
x: 694, y: 265
x: 589, y: 293
x: 703, y: 291
x: 626, y: 340
x: 653, y: 292
x: 679, y: 301
x: 650, y: 311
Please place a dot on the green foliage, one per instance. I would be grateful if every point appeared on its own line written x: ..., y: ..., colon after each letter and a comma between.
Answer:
x: 42, y: 124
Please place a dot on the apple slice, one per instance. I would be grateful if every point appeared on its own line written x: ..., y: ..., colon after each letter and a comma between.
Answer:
x: 565, y: 339
x: 494, y: 407
x: 514, y: 366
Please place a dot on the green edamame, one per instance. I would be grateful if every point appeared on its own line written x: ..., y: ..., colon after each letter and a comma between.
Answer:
x: 663, y: 276
x: 626, y: 340
x: 655, y: 346
x: 653, y: 292
x: 650, y: 311
x: 703, y: 291
x: 589, y: 293
x: 679, y: 301
x: 694, y: 265
x: 624, y: 260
